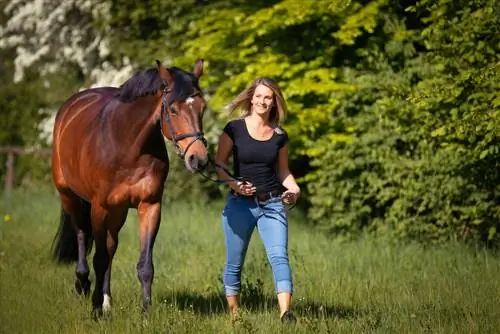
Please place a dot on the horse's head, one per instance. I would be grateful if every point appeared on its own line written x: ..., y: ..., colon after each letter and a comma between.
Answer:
x: 182, y: 112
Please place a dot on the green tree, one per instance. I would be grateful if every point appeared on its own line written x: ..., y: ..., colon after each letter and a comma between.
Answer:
x: 423, y: 160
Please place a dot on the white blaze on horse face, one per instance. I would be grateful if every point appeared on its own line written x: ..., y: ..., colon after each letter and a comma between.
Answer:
x: 189, y: 102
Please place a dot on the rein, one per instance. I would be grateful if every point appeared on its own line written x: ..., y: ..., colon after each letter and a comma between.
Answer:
x: 232, y: 177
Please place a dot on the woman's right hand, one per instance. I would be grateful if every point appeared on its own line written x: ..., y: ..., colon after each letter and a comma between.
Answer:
x: 244, y: 188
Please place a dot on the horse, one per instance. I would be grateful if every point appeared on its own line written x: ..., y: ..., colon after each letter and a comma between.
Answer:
x: 109, y: 155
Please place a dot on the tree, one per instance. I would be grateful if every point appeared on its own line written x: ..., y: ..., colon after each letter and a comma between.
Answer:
x: 423, y: 162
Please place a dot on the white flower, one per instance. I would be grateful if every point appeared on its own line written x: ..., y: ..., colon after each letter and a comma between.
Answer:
x: 56, y: 32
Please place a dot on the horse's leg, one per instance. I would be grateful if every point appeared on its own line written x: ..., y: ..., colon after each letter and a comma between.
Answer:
x: 78, y: 211
x: 114, y: 223
x: 101, y: 257
x: 149, y: 215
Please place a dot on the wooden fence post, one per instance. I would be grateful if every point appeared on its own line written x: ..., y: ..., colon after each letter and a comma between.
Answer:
x: 11, y: 152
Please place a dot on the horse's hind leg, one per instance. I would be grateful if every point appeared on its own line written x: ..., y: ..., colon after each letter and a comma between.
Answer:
x: 114, y: 222
x: 149, y: 215
x: 75, y: 218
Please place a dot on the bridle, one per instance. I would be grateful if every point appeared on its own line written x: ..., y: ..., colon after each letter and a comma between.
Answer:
x: 175, y: 138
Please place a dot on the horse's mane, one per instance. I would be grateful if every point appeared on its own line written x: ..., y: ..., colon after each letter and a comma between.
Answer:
x: 148, y: 82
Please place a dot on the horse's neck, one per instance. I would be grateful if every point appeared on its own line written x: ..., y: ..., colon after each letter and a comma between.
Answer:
x: 142, y: 117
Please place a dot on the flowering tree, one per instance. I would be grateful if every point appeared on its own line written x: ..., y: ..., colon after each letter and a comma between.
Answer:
x: 52, y: 34
x: 48, y: 37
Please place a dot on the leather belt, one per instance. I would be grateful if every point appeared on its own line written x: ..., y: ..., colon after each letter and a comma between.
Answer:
x: 261, y: 197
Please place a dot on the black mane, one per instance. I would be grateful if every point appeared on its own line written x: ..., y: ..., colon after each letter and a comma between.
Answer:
x: 148, y: 82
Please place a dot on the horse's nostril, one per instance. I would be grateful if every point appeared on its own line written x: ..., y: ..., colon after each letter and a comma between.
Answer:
x: 193, y: 161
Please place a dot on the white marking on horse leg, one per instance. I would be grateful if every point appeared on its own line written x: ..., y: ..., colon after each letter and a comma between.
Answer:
x: 106, y: 304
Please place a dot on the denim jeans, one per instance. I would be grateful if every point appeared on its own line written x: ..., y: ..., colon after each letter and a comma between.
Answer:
x: 239, y: 218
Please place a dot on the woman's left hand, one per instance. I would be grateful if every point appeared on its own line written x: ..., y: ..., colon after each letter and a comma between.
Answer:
x: 291, y: 196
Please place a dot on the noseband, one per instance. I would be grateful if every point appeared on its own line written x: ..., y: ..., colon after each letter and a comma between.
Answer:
x: 166, y: 112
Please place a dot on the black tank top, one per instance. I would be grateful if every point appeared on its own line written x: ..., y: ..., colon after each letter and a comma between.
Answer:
x: 255, y: 160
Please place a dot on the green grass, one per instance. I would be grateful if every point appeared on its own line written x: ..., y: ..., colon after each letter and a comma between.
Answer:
x: 367, y: 286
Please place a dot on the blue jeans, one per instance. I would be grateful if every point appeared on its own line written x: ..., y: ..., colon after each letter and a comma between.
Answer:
x: 239, y: 218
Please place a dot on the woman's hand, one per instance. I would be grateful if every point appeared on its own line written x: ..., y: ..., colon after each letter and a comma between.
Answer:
x: 291, y: 196
x: 244, y: 188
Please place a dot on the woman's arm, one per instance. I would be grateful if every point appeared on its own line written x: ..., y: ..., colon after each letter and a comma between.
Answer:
x: 224, y: 149
x: 293, y: 190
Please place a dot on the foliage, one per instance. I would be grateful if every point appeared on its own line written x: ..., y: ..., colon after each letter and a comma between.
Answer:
x: 23, y: 109
x: 423, y: 163
x: 393, y: 108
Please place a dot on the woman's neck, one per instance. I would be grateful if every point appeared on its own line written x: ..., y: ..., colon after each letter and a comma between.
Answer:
x: 258, y: 120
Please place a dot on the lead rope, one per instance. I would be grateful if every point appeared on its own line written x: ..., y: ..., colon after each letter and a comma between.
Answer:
x: 233, y: 178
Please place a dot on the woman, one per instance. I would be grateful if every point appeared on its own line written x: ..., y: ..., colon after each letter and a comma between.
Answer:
x: 260, y: 157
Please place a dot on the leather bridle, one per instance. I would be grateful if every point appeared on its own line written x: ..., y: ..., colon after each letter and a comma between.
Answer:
x: 175, y: 138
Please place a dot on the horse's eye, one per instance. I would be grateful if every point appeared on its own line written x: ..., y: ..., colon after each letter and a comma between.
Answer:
x: 173, y: 108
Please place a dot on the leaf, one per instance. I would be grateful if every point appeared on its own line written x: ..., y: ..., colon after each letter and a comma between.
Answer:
x: 439, y: 132
x: 483, y: 154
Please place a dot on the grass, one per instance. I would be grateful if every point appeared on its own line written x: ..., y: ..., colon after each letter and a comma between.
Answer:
x: 366, y: 286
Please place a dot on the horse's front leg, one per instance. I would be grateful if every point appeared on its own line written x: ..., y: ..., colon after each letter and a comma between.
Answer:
x: 149, y: 215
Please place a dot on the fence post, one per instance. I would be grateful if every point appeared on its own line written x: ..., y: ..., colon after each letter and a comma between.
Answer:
x: 9, y: 178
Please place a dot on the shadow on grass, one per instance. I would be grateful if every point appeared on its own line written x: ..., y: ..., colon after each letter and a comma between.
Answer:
x: 214, y: 303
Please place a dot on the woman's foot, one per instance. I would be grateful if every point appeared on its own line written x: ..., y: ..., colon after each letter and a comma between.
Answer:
x: 235, y: 316
x: 233, y: 303
x: 288, y: 317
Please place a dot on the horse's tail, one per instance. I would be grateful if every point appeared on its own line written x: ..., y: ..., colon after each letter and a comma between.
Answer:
x: 65, y: 246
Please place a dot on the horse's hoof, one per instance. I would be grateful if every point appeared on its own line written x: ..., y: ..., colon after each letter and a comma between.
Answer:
x: 106, y: 304
x: 82, y: 287
x: 97, y: 314
x: 145, y: 308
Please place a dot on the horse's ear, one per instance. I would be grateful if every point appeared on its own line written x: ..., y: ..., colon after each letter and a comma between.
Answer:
x: 164, y: 73
x: 198, y: 68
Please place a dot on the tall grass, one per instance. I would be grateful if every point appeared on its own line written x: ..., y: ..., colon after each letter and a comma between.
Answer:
x: 366, y: 286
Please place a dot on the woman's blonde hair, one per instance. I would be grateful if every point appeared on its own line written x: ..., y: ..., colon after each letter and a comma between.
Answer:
x: 243, y: 100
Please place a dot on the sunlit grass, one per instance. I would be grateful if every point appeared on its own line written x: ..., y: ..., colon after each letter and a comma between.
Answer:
x: 363, y: 286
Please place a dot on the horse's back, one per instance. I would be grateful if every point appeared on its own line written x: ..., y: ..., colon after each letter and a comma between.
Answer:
x: 75, y: 122
x: 77, y: 118
x: 91, y: 100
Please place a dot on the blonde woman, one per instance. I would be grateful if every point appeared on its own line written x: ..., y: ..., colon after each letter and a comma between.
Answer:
x: 259, y: 150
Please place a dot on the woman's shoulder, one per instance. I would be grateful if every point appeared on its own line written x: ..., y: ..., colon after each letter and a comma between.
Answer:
x: 280, y: 131
x: 233, y: 126
x: 282, y: 135
x: 236, y: 122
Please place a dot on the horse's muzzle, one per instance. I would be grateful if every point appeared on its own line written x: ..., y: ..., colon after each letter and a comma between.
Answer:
x: 195, y: 163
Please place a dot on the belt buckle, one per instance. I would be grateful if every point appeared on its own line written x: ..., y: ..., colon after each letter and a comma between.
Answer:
x: 264, y: 198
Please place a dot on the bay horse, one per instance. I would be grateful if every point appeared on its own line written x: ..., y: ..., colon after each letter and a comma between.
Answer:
x: 109, y: 155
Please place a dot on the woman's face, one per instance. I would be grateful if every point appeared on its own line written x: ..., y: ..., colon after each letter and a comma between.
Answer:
x: 262, y: 100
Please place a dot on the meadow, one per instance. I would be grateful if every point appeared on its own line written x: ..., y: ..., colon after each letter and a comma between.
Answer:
x: 363, y: 286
